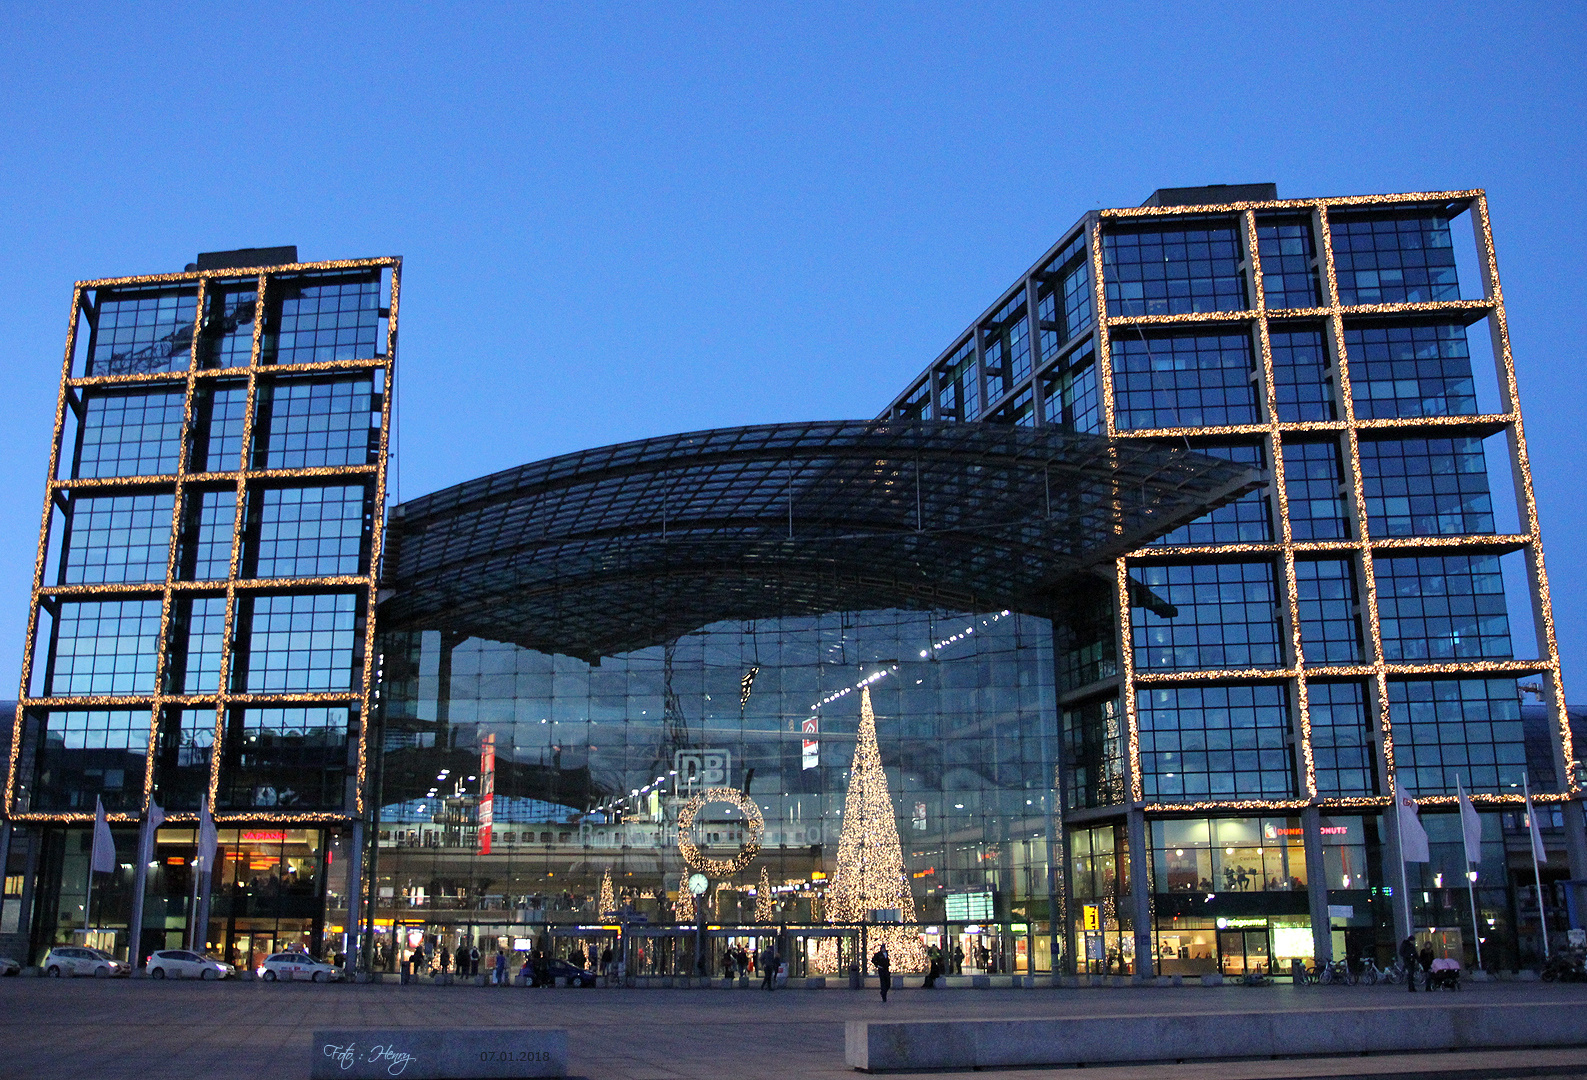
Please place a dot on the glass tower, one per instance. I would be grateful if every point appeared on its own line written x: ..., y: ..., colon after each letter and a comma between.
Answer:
x: 201, y: 626
x: 1238, y: 709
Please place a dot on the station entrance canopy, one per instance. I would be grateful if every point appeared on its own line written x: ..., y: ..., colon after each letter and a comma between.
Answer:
x: 622, y: 547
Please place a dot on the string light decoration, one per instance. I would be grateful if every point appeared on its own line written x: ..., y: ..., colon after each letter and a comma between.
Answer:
x: 765, y: 908
x: 608, y: 895
x: 683, y: 910
x: 870, y: 872
x: 756, y: 826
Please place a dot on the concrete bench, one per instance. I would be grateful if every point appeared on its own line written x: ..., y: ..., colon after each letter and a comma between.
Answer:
x: 428, y: 1054
x: 1091, y: 1040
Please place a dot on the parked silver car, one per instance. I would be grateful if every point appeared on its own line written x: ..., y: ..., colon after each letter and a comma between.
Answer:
x: 67, y: 960
x: 181, y: 964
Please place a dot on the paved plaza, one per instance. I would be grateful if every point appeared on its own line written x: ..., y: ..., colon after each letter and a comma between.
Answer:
x: 135, y: 1029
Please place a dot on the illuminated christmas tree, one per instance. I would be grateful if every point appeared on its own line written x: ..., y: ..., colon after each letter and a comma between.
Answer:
x: 870, y: 871
x: 683, y: 910
x: 608, y: 897
x: 765, y: 909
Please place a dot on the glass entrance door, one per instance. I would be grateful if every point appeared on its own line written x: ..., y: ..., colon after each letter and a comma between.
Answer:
x: 1244, y: 952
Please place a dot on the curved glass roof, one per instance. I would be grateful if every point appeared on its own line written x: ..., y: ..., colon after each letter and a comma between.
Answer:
x: 625, y: 546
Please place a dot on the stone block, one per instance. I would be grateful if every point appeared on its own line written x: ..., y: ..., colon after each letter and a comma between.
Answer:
x: 1212, y: 978
x: 981, y: 982
x: 815, y: 982
x: 456, y: 1054
x: 1177, y: 980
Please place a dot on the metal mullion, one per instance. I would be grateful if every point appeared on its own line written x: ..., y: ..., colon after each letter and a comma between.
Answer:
x: 42, y: 552
x: 238, y: 528
x: 1378, y: 685
x: 1526, y: 495
x: 376, y: 545
x: 1300, y: 720
x: 179, y: 493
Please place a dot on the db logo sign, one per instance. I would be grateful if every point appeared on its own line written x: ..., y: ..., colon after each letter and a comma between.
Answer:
x: 708, y: 767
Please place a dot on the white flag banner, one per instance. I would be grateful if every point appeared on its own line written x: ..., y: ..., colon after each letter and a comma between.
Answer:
x: 1531, y: 826
x: 1470, y: 825
x: 206, y: 837
x: 104, y: 857
x: 1413, y: 838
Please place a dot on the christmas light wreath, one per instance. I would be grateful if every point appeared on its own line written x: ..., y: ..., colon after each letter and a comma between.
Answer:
x: 734, y: 797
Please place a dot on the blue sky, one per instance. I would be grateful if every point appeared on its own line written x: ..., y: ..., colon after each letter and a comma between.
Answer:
x: 625, y: 220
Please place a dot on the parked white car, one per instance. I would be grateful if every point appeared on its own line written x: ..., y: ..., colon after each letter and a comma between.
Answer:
x: 181, y: 964
x: 9, y: 966
x: 68, y: 960
x: 289, y: 966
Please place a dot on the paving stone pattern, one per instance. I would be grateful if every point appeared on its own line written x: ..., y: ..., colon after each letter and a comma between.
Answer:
x: 139, y: 1028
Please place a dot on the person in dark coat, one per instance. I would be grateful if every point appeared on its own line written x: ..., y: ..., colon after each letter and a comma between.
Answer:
x: 606, y: 961
x: 1426, y: 958
x: 473, y: 960
x: 768, y: 967
x: 501, y: 968
x: 1409, y: 958
x: 884, y: 969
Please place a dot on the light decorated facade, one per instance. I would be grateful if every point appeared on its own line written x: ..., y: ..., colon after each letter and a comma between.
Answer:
x: 1105, y: 648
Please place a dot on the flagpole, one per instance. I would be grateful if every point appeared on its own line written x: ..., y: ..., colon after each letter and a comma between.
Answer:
x: 1471, y: 886
x: 1532, y: 831
x: 1399, y: 844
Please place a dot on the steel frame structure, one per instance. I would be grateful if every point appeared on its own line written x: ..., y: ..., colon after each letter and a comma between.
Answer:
x: 621, y: 547
x: 191, y: 380
x: 1296, y: 671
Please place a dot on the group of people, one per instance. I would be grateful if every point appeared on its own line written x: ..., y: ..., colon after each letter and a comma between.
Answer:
x: 467, y: 960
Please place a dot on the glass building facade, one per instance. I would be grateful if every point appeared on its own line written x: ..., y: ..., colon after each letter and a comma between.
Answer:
x: 1237, y: 713
x: 1213, y: 534
x: 201, y: 628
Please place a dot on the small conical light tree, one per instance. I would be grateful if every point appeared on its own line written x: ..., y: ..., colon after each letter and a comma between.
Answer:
x: 608, y: 896
x: 870, y: 871
x: 683, y: 910
x: 765, y: 909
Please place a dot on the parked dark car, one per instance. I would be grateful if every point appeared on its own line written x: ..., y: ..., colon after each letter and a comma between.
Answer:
x: 561, y: 969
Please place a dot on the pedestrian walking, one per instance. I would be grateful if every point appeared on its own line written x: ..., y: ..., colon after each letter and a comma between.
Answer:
x: 958, y: 960
x: 606, y: 961
x: 501, y: 968
x: 1426, y: 958
x: 446, y: 960
x: 473, y: 960
x: 768, y: 967
x: 1409, y: 958
x: 884, y: 969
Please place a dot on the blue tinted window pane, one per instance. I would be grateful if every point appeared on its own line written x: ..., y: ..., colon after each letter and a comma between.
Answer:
x: 1227, y: 617
x: 1300, y: 375
x: 297, y: 643
x: 104, y: 648
x: 1446, y: 729
x: 218, y: 416
x: 1244, y: 520
x: 1341, y: 739
x: 129, y: 434
x: 917, y: 403
x: 1005, y: 347
x: 959, y: 385
x: 1410, y: 371
x: 1313, y: 479
x: 307, y: 532
x: 1183, y: 380
x: 1289, y: 274
x: 1394, y: 258
x: 91, y: 753
x: 1222, y: 742
x: 117, y: 538
x: 182, y: 757
x: 287, y: 758
x: 1069, y: 395
x: 1330, y: 629
x: 194, y: 659
x: 1426, y: 487
x: 1442, y: 607
x: 227, y: 339
x: 1064, y: 304
x: 207, y: 534
x: 317, y: 318
x: 1094, y: 753
x: 304, y: 423
x: 1174, y: 271
x: 144, y: 331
